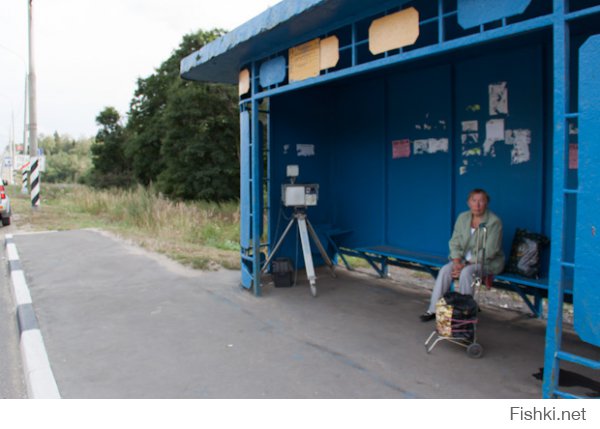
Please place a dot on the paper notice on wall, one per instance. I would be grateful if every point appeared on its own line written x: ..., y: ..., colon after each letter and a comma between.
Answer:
x: 420, y: 147
x: 305, y: 149
x: 476, y: 151
x: 304, y: 61
x: 469, y: 136
x: 469, y: 139
x: 469, y: 126
x: 573, y: 130
x: 494, y: 132
x: 520, y: 139
x: 400, y: 149
x: 438, y: 145
x: 498, y: 93
x: 573, y: 156
x: 424, y: 146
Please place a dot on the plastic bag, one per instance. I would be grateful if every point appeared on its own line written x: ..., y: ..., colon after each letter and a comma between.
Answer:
x: 525, y: 253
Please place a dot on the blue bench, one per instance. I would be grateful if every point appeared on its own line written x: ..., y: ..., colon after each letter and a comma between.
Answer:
x: 381, y: 257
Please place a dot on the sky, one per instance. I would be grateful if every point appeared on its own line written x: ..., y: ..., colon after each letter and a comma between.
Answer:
x: 90, y: 53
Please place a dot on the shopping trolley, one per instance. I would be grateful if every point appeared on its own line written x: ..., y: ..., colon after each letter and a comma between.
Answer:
x: 456, y: 314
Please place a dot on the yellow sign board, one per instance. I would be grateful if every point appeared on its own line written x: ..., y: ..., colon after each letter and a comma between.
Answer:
x: 394, y: 31
x: 305, y: 61
x: 244, y: 82
x: 330, y: 52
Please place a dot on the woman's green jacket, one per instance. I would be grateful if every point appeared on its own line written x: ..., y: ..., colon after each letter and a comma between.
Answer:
x: 462, y: 241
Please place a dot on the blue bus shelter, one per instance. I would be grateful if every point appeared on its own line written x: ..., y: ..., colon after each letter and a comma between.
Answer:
x: 395, y: 110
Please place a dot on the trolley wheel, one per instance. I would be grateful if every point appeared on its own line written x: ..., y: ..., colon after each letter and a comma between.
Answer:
x: 313, y: 290
x: 475, y: 350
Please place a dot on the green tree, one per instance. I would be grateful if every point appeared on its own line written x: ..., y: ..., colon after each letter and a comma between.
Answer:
x: 179, y: 130
x: 110, y: 166
x: 200, y: 149
x: 146, y: 115
x: 67, y: 159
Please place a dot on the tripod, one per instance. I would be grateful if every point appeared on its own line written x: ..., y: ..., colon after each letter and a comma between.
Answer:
x: 304, y: 228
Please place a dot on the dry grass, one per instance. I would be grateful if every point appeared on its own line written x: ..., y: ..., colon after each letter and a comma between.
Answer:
x: 199, y: 234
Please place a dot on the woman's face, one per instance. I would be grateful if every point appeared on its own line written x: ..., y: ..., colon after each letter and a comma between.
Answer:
x: 478, y: 204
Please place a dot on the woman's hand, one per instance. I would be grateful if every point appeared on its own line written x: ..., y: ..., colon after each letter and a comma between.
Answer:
x: 457, y: 267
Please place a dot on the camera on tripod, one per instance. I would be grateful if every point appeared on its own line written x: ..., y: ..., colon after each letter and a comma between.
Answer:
x: 300, y: 197
x: 297, y: 195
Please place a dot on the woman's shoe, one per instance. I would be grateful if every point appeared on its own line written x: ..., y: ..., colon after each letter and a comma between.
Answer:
x: 426, y: 317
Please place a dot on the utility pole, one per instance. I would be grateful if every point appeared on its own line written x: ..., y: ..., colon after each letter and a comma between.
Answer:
x: 11, y: 178
x: 25, y: 113
x: 33, y: 148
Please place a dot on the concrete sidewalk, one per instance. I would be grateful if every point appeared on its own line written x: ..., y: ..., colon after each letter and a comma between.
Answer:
x: 120, y: 322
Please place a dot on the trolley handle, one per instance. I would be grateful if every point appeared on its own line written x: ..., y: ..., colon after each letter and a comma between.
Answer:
x: 480, y: 245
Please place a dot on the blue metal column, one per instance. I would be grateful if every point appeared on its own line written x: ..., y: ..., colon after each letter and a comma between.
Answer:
x: 245, y: 198
x: 556, y: 278
x: 440, y: 18
x: 353, y: 44
x: 268, y: 178
x: 256, y: 185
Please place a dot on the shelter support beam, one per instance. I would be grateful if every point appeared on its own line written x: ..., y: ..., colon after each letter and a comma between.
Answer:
x: 557, y: 270
x: 256, y: 186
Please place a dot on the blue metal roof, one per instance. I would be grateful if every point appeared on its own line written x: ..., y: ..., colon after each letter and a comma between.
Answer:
x: 279, y: 27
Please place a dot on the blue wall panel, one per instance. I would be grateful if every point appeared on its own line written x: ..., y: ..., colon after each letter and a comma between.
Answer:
x: 472, y: 13
x: 418, y: 193
x: 516, y: 186
x: 358, y: 163
x: 586, y: 298
x: 273, y: 72
x: 245, y: 225
x: 297, y: 119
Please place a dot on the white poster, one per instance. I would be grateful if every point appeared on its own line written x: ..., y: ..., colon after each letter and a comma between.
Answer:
x: 469, y: 138
x: 498, y: 93
x: 469, y: 126
x: 520, y: 140
x: 494, y: 131
x: 438, y: 145
x: 420, y: 147
x: 305, y: 149
x: 430, y: 146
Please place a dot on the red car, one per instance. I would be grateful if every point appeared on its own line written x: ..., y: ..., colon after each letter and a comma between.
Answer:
x: 4, y: 207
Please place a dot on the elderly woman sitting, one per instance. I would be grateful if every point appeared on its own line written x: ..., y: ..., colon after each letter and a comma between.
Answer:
x: 463, y: 252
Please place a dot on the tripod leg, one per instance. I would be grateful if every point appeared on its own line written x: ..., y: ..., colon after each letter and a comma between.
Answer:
x: 308, y: 262
x: 324, y: 254
x: 278, y: 245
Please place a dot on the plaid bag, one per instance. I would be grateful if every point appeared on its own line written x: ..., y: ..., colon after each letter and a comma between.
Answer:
x: 455, y: 316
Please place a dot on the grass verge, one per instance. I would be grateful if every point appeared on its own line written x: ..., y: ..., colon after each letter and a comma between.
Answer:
x: 198, y: 234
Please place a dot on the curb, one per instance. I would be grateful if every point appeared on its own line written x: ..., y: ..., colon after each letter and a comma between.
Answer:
x: 38, y: 374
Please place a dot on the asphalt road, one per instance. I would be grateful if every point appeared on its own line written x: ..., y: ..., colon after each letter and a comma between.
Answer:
x: 120, y: 322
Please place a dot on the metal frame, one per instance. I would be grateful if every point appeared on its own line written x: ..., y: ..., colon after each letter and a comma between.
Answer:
x: 304, y: 229
x: 443, y: 45
x: 559, y: 265
x: 559, y: 22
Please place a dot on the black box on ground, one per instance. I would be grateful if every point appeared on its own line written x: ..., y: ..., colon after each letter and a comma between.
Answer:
x: 282, y: 270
